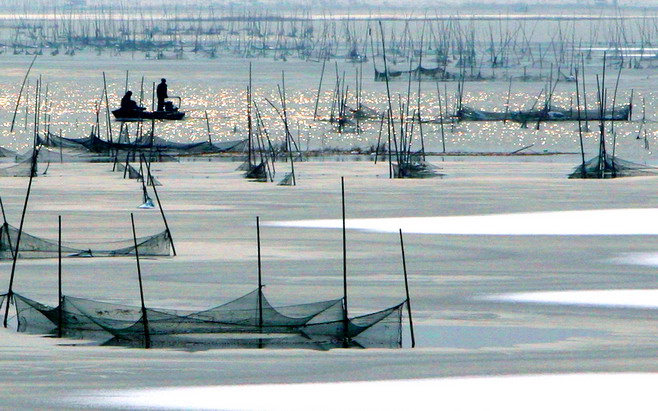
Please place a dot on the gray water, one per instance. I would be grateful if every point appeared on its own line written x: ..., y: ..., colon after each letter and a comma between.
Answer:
x: 477, y: 337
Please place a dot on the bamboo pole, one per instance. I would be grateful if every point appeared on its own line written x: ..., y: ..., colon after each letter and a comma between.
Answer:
x: 59, y: 279
x: 10, y: 290
x: 406, y: 287
x: 6, y: 228
x: 157, y: 197
x: 580, y: 126
x: 345, y: 314
x: 107, y: 105
x: 147, y: 337
x: 20, y: 93
x: 260, y: 276
x: 208, y: 127
x: 317, y: 99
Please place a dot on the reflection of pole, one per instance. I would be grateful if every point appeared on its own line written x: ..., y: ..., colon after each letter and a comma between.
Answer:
x: 147, y: 337
x: 59, y: 280
x: 406, y: 287
x: 10, y: 291
x: 260, y: 278
x: 345, y: 318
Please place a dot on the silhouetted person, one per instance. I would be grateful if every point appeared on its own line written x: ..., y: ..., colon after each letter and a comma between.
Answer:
x: 161, y: 92
x: 127, y: 103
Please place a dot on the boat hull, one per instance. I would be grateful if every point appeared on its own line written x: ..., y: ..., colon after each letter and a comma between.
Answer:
x: 137, y: 115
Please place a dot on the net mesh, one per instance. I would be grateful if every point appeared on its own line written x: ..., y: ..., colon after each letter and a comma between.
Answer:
x: 134, y: 174
x: 413, y: 166
x: 418, y: 73
x: 36, y: 247
x: 21, y: 169
x: 248, y: 321
x: 6, y: 152
x: 151, y: 144
x: 607, y: 166
x: 257, y: 172
x: 547, y: 114
x: 287, y: 180
x: 129, y: 171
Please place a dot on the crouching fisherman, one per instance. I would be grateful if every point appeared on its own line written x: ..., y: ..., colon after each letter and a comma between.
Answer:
x: 127, y: 103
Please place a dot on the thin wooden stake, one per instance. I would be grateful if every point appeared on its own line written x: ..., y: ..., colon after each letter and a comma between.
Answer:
x: 406, y: 287
x: 107, y: 107
x: 208, y: 127
x: 147, y: 337
x: 6, y: 228
x: 317, y: 99
x: 345, y: 315
x: 59, y: 280
x: 260, y: 276
x: 10, y: 291
x: 20, y: 93
x: 157, y: 197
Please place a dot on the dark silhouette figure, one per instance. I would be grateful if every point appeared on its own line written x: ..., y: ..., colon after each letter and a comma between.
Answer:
x: 127, y: 103
x: 161, y: 92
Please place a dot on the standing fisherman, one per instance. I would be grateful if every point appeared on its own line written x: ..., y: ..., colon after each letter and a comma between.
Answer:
x: 161, y: 93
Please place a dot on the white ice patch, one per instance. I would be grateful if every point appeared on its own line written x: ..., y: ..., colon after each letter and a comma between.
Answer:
x: 643, y: 259
x: 602, y: 298
x: 627, y: 391
x: 589, y: 222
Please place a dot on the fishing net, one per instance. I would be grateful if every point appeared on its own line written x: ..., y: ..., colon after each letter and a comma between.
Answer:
x: 6, y: 152
x: 35, y: 247
x: 472, y: 114
x: 287, y: 180
x: 257, y: 172
x: 413, y: 166
x: 418, y: 73
x: 132, y: 173
x: 249, y: 321
x: 607, y: 166
x: 47, y: 155
x: 153, y: 145
x: 547, y: 114
x: 381, y: 329
x: 363, y: 112
x: 128, y: 171
x: 22, y: 169
x: 244, y: 166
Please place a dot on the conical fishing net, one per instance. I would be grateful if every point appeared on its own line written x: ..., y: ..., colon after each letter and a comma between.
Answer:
x: 607, y: 166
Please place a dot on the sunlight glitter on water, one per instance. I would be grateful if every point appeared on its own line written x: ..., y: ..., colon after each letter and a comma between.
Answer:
x: 218, y: 87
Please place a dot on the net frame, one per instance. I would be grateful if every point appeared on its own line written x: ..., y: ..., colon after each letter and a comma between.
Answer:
x: 234, y: 324
x: 36, y: 247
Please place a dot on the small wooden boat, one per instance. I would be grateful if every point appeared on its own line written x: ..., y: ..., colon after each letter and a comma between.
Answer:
x: 170, y: 112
